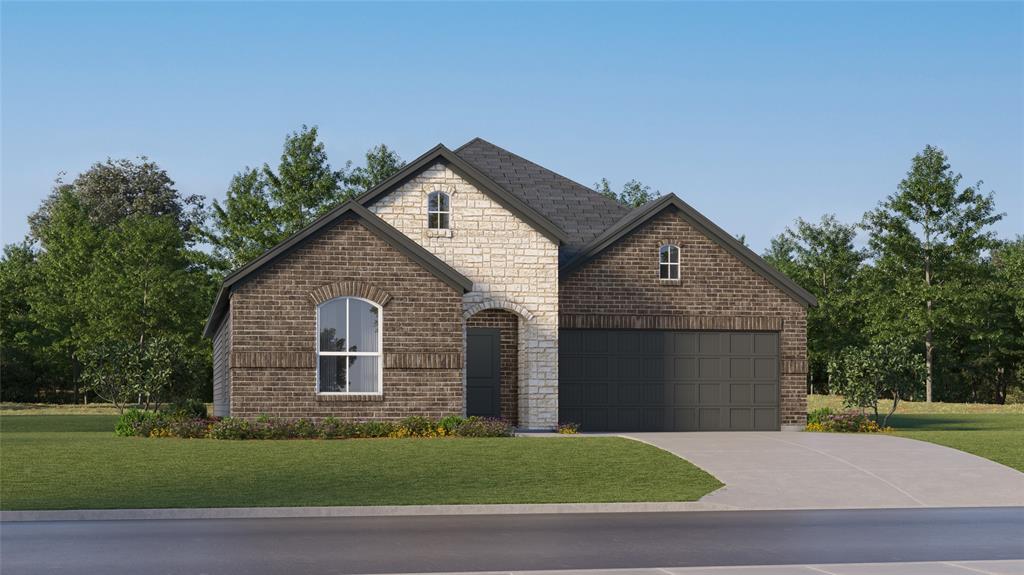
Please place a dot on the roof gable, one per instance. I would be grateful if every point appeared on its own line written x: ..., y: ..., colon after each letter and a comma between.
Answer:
x: 645, y: 213
x: 379, y: 227
x: 484, y: 183
x: 579, y: 211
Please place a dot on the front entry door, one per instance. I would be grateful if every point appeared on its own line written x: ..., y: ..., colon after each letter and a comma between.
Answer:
x: 483, y: 372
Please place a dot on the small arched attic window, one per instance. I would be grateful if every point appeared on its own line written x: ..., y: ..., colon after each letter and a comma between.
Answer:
x: 668, y: 262
x: 439, y: 211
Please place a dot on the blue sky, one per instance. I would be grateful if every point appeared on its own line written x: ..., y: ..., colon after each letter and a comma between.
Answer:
x: 753, y: 113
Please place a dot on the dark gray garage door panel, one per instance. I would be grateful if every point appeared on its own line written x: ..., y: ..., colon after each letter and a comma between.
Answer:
x: 630, y: 380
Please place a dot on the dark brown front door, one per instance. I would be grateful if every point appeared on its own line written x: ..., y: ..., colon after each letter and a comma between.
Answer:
x: 483, y: 372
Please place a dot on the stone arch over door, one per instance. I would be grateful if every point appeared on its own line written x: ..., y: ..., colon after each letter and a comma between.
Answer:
x: 510, y: 320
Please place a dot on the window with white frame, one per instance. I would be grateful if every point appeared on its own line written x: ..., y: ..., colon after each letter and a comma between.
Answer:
x: 668, y: 262
x: 439, y: 211
x: 348, y: 346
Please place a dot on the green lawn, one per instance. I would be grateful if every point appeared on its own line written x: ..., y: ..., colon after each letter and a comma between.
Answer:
x: 75, y: 462
x: 995, y: 436
x: 991, y: 431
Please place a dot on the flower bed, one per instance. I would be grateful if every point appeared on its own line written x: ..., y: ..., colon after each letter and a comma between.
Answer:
x: 827, y: 420
x: 136, y: 423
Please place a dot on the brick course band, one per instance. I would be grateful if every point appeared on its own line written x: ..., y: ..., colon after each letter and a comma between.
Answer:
x: 678, y: 322
x: 423, y: 360
x: 350, y: 289
x: 276, y: 359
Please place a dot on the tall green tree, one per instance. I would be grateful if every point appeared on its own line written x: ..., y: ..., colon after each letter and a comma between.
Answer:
x: 925, y: 240
x: 264, y: 206
x: 634, y: 193
x: 119, y: 269
x: 823, y: 259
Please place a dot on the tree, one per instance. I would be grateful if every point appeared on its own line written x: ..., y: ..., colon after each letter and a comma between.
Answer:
x: 634, y: 194
x: 122, y: 373
x: 822, y: 258
x: 264, y: 206
x: 924, y: 240
x: 110, y: 191
x: 863, y: 375
x: 118, y: 271
x: 381, y: 163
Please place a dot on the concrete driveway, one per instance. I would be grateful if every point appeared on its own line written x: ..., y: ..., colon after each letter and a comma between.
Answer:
x: 778, y: 470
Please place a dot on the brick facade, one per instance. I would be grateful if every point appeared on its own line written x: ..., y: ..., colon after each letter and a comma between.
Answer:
x: 620, y: 288
x: 511, y: 264
x: 508, y: 324
x: 273, y: 336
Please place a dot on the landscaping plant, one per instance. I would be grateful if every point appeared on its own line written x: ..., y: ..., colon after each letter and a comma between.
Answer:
x: 864, y: 375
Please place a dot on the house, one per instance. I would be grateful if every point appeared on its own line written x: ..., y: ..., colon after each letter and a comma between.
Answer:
x: 477, y: 282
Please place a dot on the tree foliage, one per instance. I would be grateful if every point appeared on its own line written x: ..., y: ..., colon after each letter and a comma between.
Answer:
x: 264, y: 206
x: 863, y: 375
x: 926, y: 241
x: 634, y: 193
x: 823, y: 259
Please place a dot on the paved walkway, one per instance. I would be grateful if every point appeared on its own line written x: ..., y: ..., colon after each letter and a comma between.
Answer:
x: 766, y: 470
x: 927, y: 568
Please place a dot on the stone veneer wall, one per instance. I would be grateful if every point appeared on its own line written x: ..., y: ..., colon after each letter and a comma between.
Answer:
x: 508, y: 323
x: 508, y: 261
x: 620, y: 288
x: 273, y: 331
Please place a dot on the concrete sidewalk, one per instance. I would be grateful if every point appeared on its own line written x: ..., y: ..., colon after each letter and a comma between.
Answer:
x: 925, y: 568
x: 776, y: 470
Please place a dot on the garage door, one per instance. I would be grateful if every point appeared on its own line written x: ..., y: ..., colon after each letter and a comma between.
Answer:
x: 630, y: 380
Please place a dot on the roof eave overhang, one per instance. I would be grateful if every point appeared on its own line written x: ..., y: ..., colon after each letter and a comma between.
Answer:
x: 638, y: 217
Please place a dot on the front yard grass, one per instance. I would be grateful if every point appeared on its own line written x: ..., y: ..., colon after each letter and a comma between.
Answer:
x: 995, y: 436
x: 76, y: 462
x: 991, y: 431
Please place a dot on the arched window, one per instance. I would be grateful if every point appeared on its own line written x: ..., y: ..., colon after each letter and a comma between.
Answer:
x: 348, y: 347
x: 439, y: 211
x: 668, y: 262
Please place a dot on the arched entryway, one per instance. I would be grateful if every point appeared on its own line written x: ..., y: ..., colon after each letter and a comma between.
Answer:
x: 492, y: 364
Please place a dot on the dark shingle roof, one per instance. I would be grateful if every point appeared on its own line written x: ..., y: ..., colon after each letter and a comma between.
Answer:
x: 578, y: 210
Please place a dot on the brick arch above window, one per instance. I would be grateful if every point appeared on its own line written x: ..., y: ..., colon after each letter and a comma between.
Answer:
x: 350, y: 289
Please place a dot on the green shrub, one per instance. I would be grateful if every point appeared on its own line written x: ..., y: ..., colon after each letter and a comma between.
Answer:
x: 232, y: 428
x: 303, y: 429
x: 450, y: 423
x: 484, y: 427
x: 819, y: 415
x: 417, y: 426
x: 375, y: 429
x: 332, y: 428
x: 129, y: 422
x: 846, y: 422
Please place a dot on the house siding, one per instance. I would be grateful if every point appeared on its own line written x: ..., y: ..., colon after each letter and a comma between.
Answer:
x: 620, y: 289
x: 511, y: 264
x: 221, y: 369
x: 273, y: 331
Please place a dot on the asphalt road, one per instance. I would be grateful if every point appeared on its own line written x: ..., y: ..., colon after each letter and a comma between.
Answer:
x: 510, y: 542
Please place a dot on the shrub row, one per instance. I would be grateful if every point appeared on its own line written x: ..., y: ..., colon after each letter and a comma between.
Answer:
x: 159, y: 424
x: 827, y: 420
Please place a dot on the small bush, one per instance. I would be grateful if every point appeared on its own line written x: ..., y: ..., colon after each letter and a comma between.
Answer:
x: 846, y: 422
x: 819, y: 415
x: 130, y: 421
x: 416, y: 426
x: 375, y: 429
x: 448, y: 424
x: 568, y: 428
x: 232, y: 428
x: 483, y: 427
